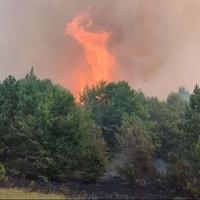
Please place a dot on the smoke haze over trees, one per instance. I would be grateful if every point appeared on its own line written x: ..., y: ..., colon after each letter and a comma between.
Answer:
x: 149, y: 39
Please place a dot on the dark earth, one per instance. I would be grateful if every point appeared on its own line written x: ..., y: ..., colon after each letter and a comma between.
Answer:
x: 114, y: 188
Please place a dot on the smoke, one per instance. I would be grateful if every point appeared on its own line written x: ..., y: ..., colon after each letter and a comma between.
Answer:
x: 155, y: 43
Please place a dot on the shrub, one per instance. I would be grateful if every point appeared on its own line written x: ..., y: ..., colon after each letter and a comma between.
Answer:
x: 177, y: 174
x: 3, y: 177
x: 128, y: 173
x: 182, y: 174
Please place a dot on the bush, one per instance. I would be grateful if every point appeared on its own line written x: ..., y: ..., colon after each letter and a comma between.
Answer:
x: 177, y: 174
x: 182, y: 174
x: 3, y: 177
x: 128, y: 173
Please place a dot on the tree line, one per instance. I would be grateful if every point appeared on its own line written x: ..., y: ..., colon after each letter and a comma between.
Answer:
x: 46, y: 134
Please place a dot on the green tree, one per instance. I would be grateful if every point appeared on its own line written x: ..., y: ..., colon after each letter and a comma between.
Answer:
x: 9, y: 98
x: 107, y: 103
x: 178, y: 101
x: 164, y: 129
x: 136, y: 149
x: 94, y: 161
x: 44, y: 133
x: 185, y: 169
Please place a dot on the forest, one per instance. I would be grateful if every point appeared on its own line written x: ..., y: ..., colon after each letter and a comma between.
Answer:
x: 47, y: 134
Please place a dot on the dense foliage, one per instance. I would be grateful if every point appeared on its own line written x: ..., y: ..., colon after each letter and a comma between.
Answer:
x: 136, y: 150
x: 107, y: 104
x: 46, y: 134
x: 185, y: 165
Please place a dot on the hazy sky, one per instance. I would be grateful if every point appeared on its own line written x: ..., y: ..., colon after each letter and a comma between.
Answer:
x: 156, y: 43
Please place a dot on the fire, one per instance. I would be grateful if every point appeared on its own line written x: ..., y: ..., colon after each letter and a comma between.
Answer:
x: 100, y: 62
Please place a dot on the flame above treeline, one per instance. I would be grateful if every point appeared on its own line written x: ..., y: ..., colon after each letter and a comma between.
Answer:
x: 153, y: 42
x: 100, y: 61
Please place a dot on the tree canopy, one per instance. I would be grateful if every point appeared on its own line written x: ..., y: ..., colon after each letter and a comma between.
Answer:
x: 46, y: 134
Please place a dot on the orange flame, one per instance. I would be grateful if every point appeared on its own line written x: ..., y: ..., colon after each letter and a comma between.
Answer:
x: 100, y: 61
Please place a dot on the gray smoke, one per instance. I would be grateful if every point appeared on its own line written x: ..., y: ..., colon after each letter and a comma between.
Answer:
x: 156, y: 43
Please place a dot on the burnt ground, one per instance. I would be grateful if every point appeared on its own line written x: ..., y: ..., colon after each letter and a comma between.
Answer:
x: 115, y: 188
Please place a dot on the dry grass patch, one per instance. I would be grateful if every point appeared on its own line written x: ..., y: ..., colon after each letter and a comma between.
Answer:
x: 22, y: 194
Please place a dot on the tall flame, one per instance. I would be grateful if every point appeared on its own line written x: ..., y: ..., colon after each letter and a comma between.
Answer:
x: 100, y: 61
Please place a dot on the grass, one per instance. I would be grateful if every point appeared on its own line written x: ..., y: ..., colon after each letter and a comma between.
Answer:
x: 22, y: 194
